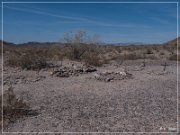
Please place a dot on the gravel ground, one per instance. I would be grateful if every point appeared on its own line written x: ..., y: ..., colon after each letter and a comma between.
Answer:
x: 83, y: 104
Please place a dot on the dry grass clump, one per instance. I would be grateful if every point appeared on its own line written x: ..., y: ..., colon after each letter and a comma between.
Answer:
x: 76, y: 52
x: 95, y: 60
x: 12, y: 107
x: 11, y: 102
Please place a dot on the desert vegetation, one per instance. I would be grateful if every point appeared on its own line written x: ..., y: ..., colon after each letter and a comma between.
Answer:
x: 13, y: 107
x: 80, y: 84
x: 78, y: 46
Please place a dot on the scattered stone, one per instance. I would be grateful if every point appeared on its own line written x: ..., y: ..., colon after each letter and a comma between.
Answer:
x: 172, y: 129
x: 14, y: 71
x: 108, y: 76
x: 158, y: 72
x: 98, y: 76
x: 77, y: 68
x: 5, y: 82
x: 89, y: 69
x: 108, y: 79
x: 63, y: 74
x: 38, y: 78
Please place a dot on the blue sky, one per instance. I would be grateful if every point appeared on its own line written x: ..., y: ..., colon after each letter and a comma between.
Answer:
x: 114, y: 23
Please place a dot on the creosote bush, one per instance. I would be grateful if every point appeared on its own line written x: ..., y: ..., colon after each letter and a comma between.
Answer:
x: 32, y: 62
x: 12, y: 106
x: 13, y: 61
x: 79, y: 44
x: 76, y: 52
x: 30, y: 59
x: 149, y: 51
x: 95, y: 60
x: 11, y: 102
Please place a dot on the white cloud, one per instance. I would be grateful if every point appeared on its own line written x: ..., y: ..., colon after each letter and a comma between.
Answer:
x: 79, y: 19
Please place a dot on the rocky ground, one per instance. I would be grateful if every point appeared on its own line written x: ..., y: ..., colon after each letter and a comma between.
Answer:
x: 144, y: 102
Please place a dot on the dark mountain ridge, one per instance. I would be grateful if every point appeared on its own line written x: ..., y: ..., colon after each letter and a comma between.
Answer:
x: 9, y: 44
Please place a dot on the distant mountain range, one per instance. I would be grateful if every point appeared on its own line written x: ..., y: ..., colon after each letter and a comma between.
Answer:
x: 8, y: 44
x: 173, y: 42
x: 38, y: 44
x: 125, y: 44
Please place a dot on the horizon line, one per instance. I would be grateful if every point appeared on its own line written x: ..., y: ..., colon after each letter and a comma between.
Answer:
x: 46, y: 2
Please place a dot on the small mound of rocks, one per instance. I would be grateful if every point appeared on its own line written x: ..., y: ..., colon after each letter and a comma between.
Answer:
x: 72, y: 71
x: 108, y: 76
x: 153, y: 72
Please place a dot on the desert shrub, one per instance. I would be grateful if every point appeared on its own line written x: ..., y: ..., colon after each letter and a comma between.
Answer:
x: 171, y: 50
x: 95, y: 55
x: 149, y: 51
x: 174, y: 57
x: 119, y: 60
x: 28, y: 60
x: 162, y: 53
x: 88, y: 53
x: 133, y: 56
x: 119, y: 50
x: 151, y: 57
x: 130, y: 56
x: 32, y: 62
x: 12, y: 106
x: 76, y: 52
x: 11, y: 102
x: 94, y: 60
x: 12, y: 61
x: 114, y: 57
x: 55, y: 53
x: 79, y: 43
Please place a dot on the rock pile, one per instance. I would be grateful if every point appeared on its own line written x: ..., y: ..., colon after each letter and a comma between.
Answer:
x: 153, y: 72
x: 72, y: 71
x: 108, y: 76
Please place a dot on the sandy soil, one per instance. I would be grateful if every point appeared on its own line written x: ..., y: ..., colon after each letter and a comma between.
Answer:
x: 81, y: 103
